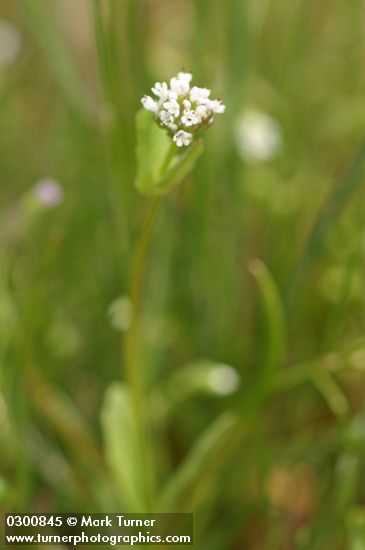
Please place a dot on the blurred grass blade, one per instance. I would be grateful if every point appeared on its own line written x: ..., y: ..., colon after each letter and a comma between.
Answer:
x: 59, y: 60
x: 354, y: 434
x: 337, y: 201
x: 333, y: 362
x: 192, y: 483
x: 105, y: 62
x: 121, y: 446
x: 332, y: 393
x: 356, y: 528
x: 65, y: 420
x: 347, y: 481
x: 275, y: 322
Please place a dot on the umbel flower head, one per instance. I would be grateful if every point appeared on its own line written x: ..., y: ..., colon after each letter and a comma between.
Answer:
x: 182, y: 109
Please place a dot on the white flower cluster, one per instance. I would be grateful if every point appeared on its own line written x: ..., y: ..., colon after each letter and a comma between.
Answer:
x: 181, y: 109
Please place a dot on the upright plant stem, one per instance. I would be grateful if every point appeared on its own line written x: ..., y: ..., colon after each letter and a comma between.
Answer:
x: 132, y: 359
x: 132, y: 364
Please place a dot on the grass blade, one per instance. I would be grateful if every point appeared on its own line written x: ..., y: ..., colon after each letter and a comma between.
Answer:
x: 65, y: 420
x: 58, y: 58
x: 275, y: 324
x: 192, y: 482
x: 337, y: 201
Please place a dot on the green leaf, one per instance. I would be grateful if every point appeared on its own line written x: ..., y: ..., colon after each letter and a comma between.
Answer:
x: 153, y: 146
x: 121, y: 446
x: 181, y: 168
x: 274, y: 317
x: 191, y: 484
x: 159, y: 164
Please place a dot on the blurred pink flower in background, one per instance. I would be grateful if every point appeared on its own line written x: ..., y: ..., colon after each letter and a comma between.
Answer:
x: 49, y: 192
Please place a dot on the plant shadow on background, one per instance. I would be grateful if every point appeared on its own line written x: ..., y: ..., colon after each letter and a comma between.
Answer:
x: 252, y: 314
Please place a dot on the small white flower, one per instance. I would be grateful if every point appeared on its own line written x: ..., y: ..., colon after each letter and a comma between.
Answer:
x: 172, y: 107
x: 185, y: 76
x: 166, y: 118
x: 161, y: 90
x: 182, y: 138
x: 201, y: 111
x: 190, y: 118
x: 199, y: 95
x: 149, y: 104
x: 180, y: 86
x: 258, y: 137
x: 216, y: 106
x: 186, y: 104
x: 172, y: 95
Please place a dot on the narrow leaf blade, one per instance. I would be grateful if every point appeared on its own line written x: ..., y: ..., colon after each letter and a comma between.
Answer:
x: 276, y: 332
x: 186, y: 489
x: 121, y: 447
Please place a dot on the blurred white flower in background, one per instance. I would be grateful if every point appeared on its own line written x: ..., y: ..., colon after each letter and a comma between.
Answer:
x: 223, y: 379
x: 10, y: 42
x: 120, y: 313
x: 202, y: 376
x: 258, y: 136
x: 63, y: 336
x: 48, y: 192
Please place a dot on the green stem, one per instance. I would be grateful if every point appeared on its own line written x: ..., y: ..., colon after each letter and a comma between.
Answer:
x: 170, y: 155
x: 132, y: 359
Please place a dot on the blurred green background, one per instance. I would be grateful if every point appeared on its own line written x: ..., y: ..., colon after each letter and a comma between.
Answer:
x: 254, y: 300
